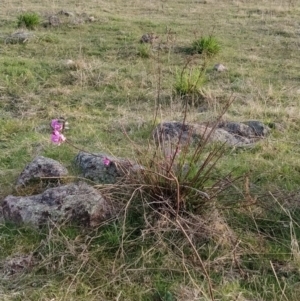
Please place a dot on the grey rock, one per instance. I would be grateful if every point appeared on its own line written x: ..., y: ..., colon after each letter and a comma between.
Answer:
x: 16, y: 264
x: 175, y: 132
x: 66, y: 13
x: 91, y: 19
x: 79, y: 203
x: 220, y: 67
x: 68, y: 63
x: 53, y: 21
x: 93, y: 167
x: 41, y: 167
x: 258, y: 127
x: 77, y: 21
x: 230, y: 133
x: 249, y: 129
x: 178, y: 132
x: 19, y: 37
x: 148, y: 38
x: 224, y: 136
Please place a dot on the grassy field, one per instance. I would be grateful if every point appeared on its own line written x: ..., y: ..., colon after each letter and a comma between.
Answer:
x: 245, y: 247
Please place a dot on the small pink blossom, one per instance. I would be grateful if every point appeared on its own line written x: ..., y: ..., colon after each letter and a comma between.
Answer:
x: 106, y: 161
x: 56, y: 125
x: 57, y: 137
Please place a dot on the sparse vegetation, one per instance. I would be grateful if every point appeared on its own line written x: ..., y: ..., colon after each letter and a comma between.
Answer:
x: 169, y: 241
x: 144, y: 50
x: 189, y: 81
x: 180, y: 173
x: 208, y: 46
x: 29, y: 20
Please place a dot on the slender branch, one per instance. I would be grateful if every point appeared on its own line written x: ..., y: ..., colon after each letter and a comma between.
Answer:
x: 198, y: 191
x: 178, y: 193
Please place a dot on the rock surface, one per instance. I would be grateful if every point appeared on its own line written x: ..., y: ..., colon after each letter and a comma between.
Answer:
x: 248, y: 129
x: 94, y: 168
x: 66, y: 13
x: 53, y: 21
x: 41, y: 167
x: 148, y: 38
x: 19, y: 37
x: 16, y: 264
x: 231, y: 133
x: 220, y: 67
x: 79, y: 203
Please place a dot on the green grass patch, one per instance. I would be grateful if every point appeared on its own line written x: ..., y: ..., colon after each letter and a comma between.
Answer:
x: 29, y: 20
x: 208, y: 46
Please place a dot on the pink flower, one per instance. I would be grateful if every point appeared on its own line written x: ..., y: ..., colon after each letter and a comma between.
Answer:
x: 106, y: 161
x: 56, y: 125
x: 57, y: 137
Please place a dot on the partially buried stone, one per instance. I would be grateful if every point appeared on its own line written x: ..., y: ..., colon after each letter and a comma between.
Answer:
x: 220, y: 67
x: 148, y: 38
x: 237, y: 134
x: 54, y: 21
x: 94, y: 168
x: 190, y: 133
x: 102, y: 168
x: 19, y: 37
x: 77, y: 203
x: 249, y: 129
x: 66, y: 13
x: 41, y: 167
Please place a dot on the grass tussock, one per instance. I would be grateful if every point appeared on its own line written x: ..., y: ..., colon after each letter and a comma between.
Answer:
x: 207, y: 46
x: 29, y: 20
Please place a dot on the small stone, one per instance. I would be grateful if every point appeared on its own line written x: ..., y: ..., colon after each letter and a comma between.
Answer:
x: 17, y: 264
x: 68, y: 63
x: 54, y: 21
x: 41, y: 167
x: 66, y: 13
x: 220, y: 68
x: 19, y: 37
x: 259, y: 129
x: 77, y: 21
x: 248, y: 129
x: 94, y: 167
x: 148, y: 38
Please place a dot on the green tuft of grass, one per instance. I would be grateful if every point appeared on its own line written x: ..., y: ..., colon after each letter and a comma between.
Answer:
x: 144, y: 51
x: 189, y: 81
x: 29, y: 20
x: 208, y: 46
